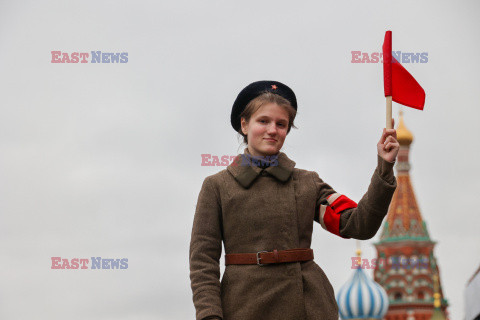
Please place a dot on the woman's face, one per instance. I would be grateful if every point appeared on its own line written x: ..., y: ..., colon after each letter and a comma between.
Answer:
x: 266, y: 130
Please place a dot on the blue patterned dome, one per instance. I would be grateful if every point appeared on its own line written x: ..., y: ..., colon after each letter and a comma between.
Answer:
x: 362, y: 298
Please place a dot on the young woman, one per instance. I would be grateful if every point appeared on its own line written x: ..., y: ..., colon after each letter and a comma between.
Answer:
x: 263, y: 209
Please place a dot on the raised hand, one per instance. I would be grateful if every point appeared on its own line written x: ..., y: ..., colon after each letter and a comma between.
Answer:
x: 388, y: 146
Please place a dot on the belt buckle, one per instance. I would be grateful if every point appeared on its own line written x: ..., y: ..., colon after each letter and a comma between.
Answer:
x: 258, y: 258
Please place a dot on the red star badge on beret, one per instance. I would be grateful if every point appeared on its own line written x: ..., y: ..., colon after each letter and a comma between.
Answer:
x: 274, y: 87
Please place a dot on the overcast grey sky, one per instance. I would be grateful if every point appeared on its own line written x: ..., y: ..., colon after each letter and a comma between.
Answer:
x: 104, y: 159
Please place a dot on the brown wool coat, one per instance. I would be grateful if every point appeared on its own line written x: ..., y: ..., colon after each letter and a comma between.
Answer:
x: 252, y: 209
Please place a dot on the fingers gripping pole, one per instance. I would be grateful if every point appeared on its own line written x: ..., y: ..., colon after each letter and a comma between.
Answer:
x: 389, y: 112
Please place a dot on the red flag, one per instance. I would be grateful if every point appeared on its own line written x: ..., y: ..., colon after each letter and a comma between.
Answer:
x: 397, y: 82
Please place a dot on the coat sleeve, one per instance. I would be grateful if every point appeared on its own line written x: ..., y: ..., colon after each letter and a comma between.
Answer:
x: 205, y: 252
x: 343, y: 217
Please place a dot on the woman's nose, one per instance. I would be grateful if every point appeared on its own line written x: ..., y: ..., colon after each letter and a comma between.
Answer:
x: 272, y: 128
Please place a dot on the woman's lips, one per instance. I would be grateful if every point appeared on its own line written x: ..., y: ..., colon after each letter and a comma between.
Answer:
x: 270, y: 139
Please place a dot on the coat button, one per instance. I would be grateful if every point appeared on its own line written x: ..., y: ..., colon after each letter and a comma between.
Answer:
x: 264, y: 173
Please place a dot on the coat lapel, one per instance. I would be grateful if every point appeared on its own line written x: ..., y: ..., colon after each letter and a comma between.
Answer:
x: 247, y: 174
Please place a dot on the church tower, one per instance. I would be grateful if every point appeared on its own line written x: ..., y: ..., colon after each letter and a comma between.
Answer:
x: 406, y: 262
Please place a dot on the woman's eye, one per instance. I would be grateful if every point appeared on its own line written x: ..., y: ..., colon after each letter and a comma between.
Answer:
x: 263, y: 121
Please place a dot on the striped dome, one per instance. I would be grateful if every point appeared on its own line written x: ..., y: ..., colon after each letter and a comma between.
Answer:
x: 362, y: 298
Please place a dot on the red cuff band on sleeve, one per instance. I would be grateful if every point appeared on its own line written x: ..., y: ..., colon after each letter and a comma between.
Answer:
x: 332, y: 221
x: 342, y: 203
x: 330, y: 215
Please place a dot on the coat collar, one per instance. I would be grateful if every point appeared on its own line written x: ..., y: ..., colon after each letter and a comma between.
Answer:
x: 246, y: 174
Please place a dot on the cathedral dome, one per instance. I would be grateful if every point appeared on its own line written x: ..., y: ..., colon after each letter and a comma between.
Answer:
x: 362, y: 298
x: 404, y: 136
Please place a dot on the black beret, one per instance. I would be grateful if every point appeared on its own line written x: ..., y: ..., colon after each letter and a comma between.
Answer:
x: 255, y: 89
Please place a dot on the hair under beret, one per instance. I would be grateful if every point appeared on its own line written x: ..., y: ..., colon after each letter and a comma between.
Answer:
x: 255, y: 89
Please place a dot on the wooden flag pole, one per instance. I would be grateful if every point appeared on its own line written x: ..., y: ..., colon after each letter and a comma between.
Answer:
x: 389, y: 112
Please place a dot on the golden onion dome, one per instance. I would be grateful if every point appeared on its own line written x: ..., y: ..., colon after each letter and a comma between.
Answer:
x: 404, y: 136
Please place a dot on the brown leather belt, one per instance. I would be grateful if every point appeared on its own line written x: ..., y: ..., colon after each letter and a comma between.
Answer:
x: 265, y: 257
